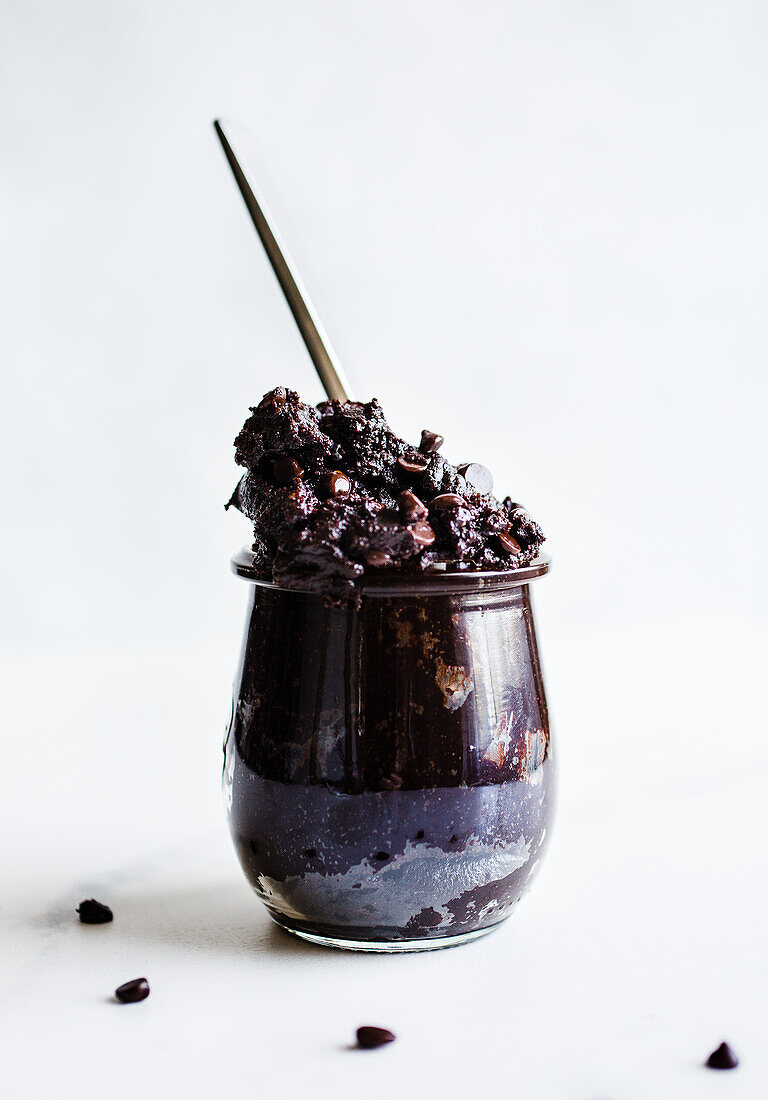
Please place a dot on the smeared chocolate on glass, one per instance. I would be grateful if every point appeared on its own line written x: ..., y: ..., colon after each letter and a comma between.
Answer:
x: 335, y: 495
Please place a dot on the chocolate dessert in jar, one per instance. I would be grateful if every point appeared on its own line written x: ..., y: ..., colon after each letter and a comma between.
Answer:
x: 388, y: 767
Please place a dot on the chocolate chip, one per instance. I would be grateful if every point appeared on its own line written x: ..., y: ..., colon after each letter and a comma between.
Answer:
x: 381, y: 856
x: 722, y: 1058
x: 286, y: 470
x: 335, y: 484
x: 430, y: 442
x: 135, y: 990
x: 448, y: 500
x: 377, y: 558
x: 420, y: 834
x: 310, y: 853
x: 412, y: 465
x: 371, y: 1037
x: 422, y: 533
x: 478, y: 477
x: 93, y: 912
x: 508, y: 544
x: 411, y: 508
x: 275, y: 399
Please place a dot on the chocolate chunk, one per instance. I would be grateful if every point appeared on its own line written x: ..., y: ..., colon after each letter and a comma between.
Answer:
x: 722, y: 1058
x: 286, y: 469
x: 131, y: 992
x: 335, y: 484
x: 377, y: 558
x: 381, y: 856
x: 411, y: 508
x: 412, y: 465
x: 93, y: 912
x: 430, y: 442
x: 508, y: 544
x: 422, y: 533
x: 448, y: 500
x: 371, y: 1037
x: 478, y: 477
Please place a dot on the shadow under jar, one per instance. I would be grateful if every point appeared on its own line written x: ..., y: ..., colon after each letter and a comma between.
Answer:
x: 388, y: 769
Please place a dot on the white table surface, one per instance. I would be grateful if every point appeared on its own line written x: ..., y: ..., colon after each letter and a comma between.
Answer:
x: 641, y: 946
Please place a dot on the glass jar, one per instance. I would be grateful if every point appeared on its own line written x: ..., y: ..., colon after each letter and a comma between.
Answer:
x: 388, y: 769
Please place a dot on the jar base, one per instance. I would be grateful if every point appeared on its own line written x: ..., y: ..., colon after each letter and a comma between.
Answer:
x: 388, y: 947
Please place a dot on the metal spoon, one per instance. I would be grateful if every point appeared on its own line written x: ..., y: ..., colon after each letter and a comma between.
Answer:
x: 318, y: 345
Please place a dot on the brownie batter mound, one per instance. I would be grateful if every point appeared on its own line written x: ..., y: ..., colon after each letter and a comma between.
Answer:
x: 334, y: 494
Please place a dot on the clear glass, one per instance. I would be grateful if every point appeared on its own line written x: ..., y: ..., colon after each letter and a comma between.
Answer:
x: 388, y: 768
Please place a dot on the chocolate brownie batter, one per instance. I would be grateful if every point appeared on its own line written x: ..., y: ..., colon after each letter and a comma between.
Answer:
x: 334, y: 495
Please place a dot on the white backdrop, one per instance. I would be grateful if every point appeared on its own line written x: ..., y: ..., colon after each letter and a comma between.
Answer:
x: 538, y: 228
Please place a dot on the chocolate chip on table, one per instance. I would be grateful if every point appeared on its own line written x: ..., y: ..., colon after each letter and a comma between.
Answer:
x: 412, y: 465
x: 479, y: 477
x: 377, y: 558
x: 509, y: 544
x: 286, y: 469
x: 722, y: 1058
x: 430, y: 442
x: 422, y: 533
x: 335, y: 483
x: 94, y: 912
x: 368, y: 1038
x: 131, y: 992
x: 448, y: 500
x: 411, y: 508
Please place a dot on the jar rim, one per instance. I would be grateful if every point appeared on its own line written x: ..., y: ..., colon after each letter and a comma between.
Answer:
x: 401, y: 584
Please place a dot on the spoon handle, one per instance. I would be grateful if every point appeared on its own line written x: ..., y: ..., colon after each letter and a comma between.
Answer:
x: 299, y: 302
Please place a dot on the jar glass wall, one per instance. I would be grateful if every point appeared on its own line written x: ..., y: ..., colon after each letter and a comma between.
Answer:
x: 388, y: 770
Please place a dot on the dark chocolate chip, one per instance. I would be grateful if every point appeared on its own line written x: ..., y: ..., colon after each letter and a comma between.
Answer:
x: 422, y: 533
x: 371, y: 1037
x: 411, y: 508
x: 93, y: 912
x: 722, y: 1058
x: 335, y: 484
x: 412, y: 465
x: 130, y: 992
x: 286, y: 470
x: 479, y: 477
x: 508, y: 544
x: 420, y: 834
x: 377, y: 558
x: 453, y: 839
x: 310, y: 853
x: 381, y: 856
x: 275, y: 399
x: 448, y: 500
x: 430, y: 442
